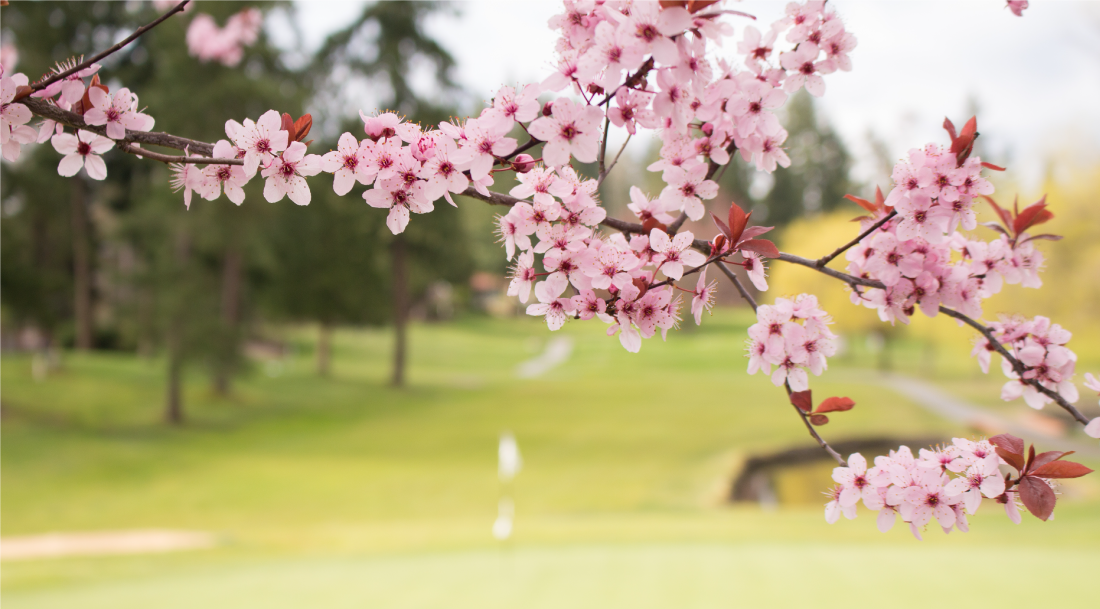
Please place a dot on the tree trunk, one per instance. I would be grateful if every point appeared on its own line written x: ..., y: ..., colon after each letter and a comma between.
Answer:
x: 400, y: 309
x: 324, y: 349
x: 82, y: 271
x: 231, y: 298
x: 173, y: 413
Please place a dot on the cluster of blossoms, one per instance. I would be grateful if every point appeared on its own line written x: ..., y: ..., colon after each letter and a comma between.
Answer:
x: 562, y: 219
x: 1040, y: 347
x: 945, y: 485
x: 793, y: 336
x: 913, y: 253
x: 208, y: 42
x: 14, y: 132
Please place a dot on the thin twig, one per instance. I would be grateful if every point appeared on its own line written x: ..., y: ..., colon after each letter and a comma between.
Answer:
x: 71, y: 119
x: 114, y: 49
x: 845, y: 277
x: 524, y: 148
x: 175, y: 158
x: 737, y: 284
x: 617, y: 155
x: 1017, y: 366
x: 840, y: 250
x: 603, y: 150
x: 805, y: 419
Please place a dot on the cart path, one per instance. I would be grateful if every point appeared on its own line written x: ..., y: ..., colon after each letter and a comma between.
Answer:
x: 99, y: 543
x: 1045, y: 430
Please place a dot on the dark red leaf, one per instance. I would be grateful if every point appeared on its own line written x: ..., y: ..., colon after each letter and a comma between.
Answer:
x: 760, y: 246
x: 1004, y: 214
x: 819, y: 419
x: 996, y: 227
x: 880, y: 201
x: 1032, y: 215
x: 21, y: 92
x: 1010, y: 448
x: 1038, y: 497
x: 722, y: 226
x: 1045, y: 237
x: 835, y: 405
x: 738, y: 220
x: 992, y: 166
x: 1061, y: 469
x: 864, y: 203
x: 752, y: 232
x: 964, y: 144
x: 947, y: 124
x: 803, y: 400
x: 1030, y: 455
x: 302, y: 127
x: 288, y: 124
x: 1043, y: 458
x: 641, y: 284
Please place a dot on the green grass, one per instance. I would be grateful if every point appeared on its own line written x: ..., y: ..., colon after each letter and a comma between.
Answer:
x: 347, y: 492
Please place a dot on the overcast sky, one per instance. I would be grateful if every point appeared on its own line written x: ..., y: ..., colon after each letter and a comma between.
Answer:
x: 1034, y: 80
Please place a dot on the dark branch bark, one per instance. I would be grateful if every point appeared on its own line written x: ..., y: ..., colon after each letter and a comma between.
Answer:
x: 114, y: 49
x: 821, y: 262
x: 152, y: 138
x: 737, y: 284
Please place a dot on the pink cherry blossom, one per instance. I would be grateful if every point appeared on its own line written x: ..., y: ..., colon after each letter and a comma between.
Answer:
x: 286, y: 175
x: 685, y: 189
x: 71, y: 87
x: 230, y: 177
x: 523, y: 277
x: 550, y: 305
x: 82, y: 150
x: 261, y: 140
x: 703, y: 297
x: 349, y: 164
x: 12, y: 115
x: 675, y: 253
x: 401, y: 199
x: 118, y: 113
x: 754, y: 268
x: 570, y: 130
x: 208, y: 42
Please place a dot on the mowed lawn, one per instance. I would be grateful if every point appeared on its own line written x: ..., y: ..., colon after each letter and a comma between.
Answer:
x: 344, y: 492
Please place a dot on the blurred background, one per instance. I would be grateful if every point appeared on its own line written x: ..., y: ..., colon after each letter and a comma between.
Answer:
x: 279, y: 406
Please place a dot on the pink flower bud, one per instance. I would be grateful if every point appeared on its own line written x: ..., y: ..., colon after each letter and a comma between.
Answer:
x: 523, y: 163
x: 548, y: 108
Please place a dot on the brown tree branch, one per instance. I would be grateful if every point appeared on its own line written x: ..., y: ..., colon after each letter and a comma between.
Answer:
x: 840, y: 250
x: 154, y: 138
x: 133, y: 149
x: 114, y: 49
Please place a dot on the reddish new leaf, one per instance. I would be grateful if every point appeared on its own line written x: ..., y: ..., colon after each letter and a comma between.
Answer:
x: 864, y: 203
x: 1004, y: 214
x: 819, y: 419
x: 1032, y: 215
x: 288, y: 125
x: 950, y: 127
x: 992, y: 166
x: 964, y: 144
x: 803, y: 400
x: 722, y: 226
x: 738, y: 220
x: 302, y: 127
x: 835, y: 405
x: 1038, y: 497
x: 752, y: 232
x: 1044, y: 236
x: 1061, y: 469
x: 1043, y: 458
x: 1010, y: 448
x: 760, y: 246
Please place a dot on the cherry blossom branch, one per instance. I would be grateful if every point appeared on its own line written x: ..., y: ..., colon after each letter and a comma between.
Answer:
x: 712, y: 168
x: 49, y: 111
x: 603, y: 150
x: 42, y: 84
x: 524, y: 148
x: 835, y: 274
x: 1016, y: 364
x: 617, y: 155
x: 737, y: 284
x: 133, y: 149
x: 805, y: 419
x: 821, y: 262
